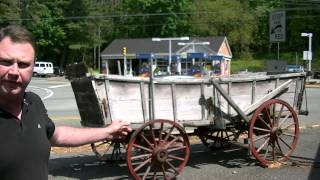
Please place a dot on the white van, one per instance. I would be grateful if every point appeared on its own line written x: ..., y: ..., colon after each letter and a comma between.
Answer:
x: 42, y: 68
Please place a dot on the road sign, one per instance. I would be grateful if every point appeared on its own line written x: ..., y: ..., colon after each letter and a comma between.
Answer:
x: 277, y: 26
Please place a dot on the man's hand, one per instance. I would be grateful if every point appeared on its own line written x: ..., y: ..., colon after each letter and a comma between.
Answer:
x: 118, y: 130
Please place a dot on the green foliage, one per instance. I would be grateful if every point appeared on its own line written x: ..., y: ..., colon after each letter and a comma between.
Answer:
x: 154, y: 23
x: 70, y: 31
x: 250, y: 65
x: 9, y: 12
x: 46, y: 27
x: 230, y: 18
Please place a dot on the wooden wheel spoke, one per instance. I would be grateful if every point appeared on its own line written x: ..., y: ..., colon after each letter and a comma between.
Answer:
x: 268, y: 116
x: 146, y: 173
x: 265, y: 153
x: 142, y: 165
x: 279, y: 147
x: 163, y: 169
x: 175, y: 157
x: 261, y: 137
x: 152, y: 135
x: 264, y: 122
x: 176, y: 148
x: 172, y: 141
x: 284, y: 142
x: 172, y: 167
x: 287, y: 134
x: 147, y: 141
x: 273, y: 152
x: 264, y: 144
x: 284, y: 120
x: 142, y: 156
x: 280, y: 112
x: 168, y: 134
x: 275, y: 119
x: 160, y: 132
x: 286, y: 127
x: 142, y: 147
x: 261, y: 129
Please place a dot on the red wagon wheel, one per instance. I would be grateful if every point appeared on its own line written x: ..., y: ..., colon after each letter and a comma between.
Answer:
x: 103, y: 149
x: 274, y: 131
x: 216, y: 139
x: 158, y: 150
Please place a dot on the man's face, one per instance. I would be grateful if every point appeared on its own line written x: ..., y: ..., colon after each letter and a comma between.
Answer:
x: 16, y: 66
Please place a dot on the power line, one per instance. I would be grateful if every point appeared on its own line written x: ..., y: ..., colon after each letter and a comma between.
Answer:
x: 147, y: 15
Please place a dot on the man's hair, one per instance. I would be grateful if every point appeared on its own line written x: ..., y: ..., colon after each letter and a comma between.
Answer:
x: 18, y: 34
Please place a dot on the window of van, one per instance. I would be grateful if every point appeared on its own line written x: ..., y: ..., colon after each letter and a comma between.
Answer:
x: 42, y: 65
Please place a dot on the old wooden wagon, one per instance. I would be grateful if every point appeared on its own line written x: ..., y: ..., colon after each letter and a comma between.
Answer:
x: 163, y: 110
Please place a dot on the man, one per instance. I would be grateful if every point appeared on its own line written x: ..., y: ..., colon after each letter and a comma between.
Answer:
x: 26, y: 131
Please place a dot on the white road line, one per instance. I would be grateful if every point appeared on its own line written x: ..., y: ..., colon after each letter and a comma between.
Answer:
x: 48, y: 91
x: 58, y: 86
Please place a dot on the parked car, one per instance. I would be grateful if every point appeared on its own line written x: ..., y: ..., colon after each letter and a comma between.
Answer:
x: 42, y: 68
x: 57, y: 71
x: 295, y: 68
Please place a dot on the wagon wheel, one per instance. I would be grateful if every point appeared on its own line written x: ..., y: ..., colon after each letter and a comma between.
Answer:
x: 158, y: 150
x: 103, y: 149
x: 217, y: 139
x: 273, y: 133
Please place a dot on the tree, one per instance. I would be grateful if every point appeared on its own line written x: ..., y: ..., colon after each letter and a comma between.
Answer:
x: 148, y: 18
x: 44, y: 21
x: 225, y: 18
x: 9, y: 12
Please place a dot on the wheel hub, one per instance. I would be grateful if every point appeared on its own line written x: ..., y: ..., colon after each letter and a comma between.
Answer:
x: 275, y: 132
x: 160, y: 155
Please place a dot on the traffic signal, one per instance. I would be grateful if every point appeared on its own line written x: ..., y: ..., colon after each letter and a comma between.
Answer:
x: 124, y: 50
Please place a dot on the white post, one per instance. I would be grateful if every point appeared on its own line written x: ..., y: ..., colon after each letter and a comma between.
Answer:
x: 169, y: 63
x: 193, y: 50
x: 170, y: 39
x: 310, y: 50
x: 131, y: 67
x: 125, y: 65
x: 309, y: 54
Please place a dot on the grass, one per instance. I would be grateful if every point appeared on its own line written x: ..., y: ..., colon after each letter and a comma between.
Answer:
x: 257, y: 65
x: 250, y: 65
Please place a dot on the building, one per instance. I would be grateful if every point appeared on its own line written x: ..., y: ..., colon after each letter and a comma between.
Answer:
x: 210, y: 51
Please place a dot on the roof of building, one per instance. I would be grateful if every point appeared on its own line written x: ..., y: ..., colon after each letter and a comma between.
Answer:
x: 146, y: 45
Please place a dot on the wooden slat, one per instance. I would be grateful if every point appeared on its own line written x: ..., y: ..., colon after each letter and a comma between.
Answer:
x: 174, y: 101
x: 107, y: 86
x: 230, y: 101
x: 253, y: 93
x: 143, y: 102
x: 272, y: 94
x: 229, y: 94
x: 203, y: 111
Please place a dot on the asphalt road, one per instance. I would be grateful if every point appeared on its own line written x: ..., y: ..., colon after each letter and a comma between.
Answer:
x: 232, y: 163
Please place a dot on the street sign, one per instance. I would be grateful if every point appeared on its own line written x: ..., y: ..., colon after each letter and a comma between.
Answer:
x: 277, y: 26
x: 307, y: 55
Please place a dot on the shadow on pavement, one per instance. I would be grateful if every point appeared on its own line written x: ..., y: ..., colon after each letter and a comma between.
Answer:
x: 314, y: 173
x: 88, y: 167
